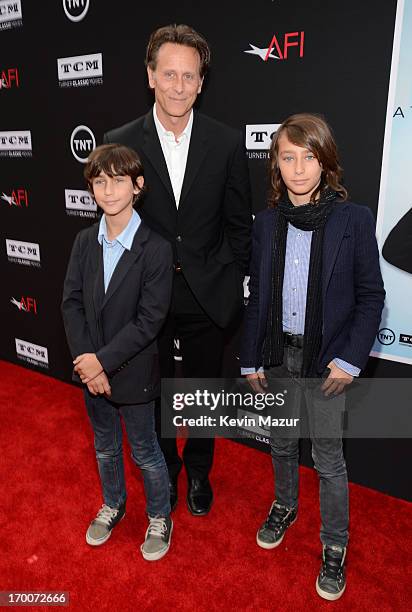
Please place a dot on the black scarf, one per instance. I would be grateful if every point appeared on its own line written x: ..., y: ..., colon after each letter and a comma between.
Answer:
x: 307, y: 217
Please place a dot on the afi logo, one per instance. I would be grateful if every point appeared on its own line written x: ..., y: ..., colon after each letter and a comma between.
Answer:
x: 82, y: 143
x: 18, y: 197
x: 26, y: 304
x: 9, y: 78
x: 76, y: 9
x: 280, y: 47
x: 259, y: 136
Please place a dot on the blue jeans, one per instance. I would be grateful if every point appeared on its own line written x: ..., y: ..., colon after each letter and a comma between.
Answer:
x: 323, y: 415
x: 105, y: 417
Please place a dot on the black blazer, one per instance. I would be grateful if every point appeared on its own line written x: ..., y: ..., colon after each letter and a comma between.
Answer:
x: 352, y: 287
x: 210, y: 231
x: 397, y: 249
x: 121, y: 325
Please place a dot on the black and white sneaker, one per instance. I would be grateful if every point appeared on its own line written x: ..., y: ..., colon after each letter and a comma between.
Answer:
x: 157, y: 539
x: 331, y: 581
x: 100, y: 529
x: 273, y: 529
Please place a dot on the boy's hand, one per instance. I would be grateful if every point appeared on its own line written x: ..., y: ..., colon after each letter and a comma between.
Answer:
x: 258, y: 382
x: 87, y: 367
x: 100, y: 385
x: 337, y: 380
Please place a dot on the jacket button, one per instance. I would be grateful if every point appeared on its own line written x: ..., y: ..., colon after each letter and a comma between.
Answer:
x: 145, y: 390
x: 179, y: 238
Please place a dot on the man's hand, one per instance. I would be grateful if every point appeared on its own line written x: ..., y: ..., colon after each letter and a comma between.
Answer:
x: 87, y: 367
x: 258, y: 382
x: 337, y: 380
x: 100, y: 385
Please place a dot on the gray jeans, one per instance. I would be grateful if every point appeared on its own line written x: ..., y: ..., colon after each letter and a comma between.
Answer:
x: 324, y: 426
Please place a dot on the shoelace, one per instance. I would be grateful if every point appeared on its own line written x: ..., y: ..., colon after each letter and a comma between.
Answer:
x: 106, y: 514
x: 332, y: 566
x: 157, y: 527
x: 276, y: 517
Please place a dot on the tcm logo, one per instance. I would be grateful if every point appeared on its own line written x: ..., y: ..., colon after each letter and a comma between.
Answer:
x: 10, y: 14
x: 386, y: 336
x: 25, y: 304
x: 80, y: 203
x: 76, y: 9
x: 15, y: 144
x: 291, y: 44
x: 80, y: 70
x: 82, y: 143
x: 259, y: 136
x: 23, y: 250
x: 18, y: 197
x: 405, y: 339
x: 33, y: 353
x: 9, y: 78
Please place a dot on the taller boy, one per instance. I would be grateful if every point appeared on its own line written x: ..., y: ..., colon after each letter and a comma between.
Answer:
x: 199, y: 200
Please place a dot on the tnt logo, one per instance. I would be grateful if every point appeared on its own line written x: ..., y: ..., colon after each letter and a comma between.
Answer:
x: 18, y: 197
x: 76, y: 9
x: 292, y: 44
x: 82, y: 143
x: 26, y: 304
x: 9, y: 78
x: 386, y: 336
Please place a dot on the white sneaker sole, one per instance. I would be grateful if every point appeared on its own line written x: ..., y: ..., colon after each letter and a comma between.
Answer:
x: 157, y: 555
x: 94, y: 542
x: 327, y: 595
x: 269, y: 546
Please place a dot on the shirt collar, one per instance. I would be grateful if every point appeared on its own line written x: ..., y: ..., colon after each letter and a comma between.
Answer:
x: 125, y: 238
x: 167, y: 134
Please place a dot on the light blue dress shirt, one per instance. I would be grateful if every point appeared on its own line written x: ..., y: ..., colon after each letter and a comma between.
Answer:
x: 295, y: 286
x: 114, y: 249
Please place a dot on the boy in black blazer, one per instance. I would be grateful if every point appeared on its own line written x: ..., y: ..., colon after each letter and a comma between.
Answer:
x: 116, y: 296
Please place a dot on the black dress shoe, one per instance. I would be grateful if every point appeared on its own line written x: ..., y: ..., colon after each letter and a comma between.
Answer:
x: 173, y: 492
x: 199, y: 496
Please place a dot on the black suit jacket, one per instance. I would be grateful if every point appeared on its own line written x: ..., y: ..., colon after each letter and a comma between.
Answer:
x: 210, y: 231
x: 397, y: 249
x: 121, y: 325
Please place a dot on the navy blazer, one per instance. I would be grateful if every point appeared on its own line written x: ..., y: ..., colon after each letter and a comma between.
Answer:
x: 121, y: 325
x: 352, y: 287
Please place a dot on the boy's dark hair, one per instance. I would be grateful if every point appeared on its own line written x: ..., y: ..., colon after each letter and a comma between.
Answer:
x: 114, y: 160
x: 313, y: 133
x: 180, y: 35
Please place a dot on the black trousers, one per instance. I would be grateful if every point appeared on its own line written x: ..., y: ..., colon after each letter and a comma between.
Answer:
x: 201, y: 347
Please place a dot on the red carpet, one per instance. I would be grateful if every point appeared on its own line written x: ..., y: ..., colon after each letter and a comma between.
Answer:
x: 50, y: 491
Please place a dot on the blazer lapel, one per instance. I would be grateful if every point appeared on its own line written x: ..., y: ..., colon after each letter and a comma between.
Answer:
x: 126, y: 261
x: 196, y: 154
x: 334, y: 231
x: 153, y: 150
x: 96, y: 264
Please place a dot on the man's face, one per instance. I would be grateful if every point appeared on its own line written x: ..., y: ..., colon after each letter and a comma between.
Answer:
x: 300, y: 170
x: 176, y: 80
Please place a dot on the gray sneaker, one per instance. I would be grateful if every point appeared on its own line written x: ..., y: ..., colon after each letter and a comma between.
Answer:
x: 100, y: 529
x: 277, y: 522
x: 157, y: 539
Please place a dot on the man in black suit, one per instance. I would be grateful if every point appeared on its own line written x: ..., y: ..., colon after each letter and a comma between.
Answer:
x: 199, y: 199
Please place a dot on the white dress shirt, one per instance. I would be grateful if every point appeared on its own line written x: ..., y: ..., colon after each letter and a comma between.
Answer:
x: 175, y: 152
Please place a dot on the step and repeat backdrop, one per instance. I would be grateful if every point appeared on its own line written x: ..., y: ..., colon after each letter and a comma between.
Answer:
x: 72, y: 69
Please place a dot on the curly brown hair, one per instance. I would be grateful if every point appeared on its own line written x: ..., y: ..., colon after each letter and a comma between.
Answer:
x: 180, y: 35
x: 313, y: 133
